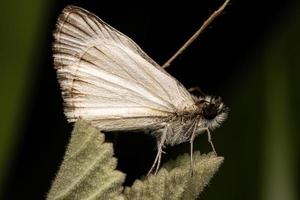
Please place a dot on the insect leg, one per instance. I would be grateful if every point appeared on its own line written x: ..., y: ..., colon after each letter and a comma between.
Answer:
x: 158, y: 162
x: 191, y: 153
x: 192, y: 146
x: 210, y: 140
x: 160, y: 144
x: 154, y: 163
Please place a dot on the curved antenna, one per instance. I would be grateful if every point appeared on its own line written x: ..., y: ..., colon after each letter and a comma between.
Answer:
x: 200, y: 30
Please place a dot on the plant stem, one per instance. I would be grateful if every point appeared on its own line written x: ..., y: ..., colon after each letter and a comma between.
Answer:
x: 200, y: 30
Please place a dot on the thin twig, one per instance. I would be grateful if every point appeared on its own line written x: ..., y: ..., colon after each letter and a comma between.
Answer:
x: 200, y: 30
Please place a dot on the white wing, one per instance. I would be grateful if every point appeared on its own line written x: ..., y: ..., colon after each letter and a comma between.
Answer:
x: 107, y: 79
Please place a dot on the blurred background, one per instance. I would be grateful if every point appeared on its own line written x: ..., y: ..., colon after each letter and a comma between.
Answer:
x: 250, y: 56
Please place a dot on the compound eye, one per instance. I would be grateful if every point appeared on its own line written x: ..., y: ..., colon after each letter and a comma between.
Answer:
x: 210, y: 111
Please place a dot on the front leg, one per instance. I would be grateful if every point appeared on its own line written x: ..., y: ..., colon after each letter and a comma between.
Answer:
x: 209, y: 139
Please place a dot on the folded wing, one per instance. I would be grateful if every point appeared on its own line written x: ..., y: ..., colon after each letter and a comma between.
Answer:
x: 107, y: 79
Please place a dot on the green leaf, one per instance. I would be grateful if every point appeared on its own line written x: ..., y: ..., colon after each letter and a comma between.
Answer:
x: 88, y: 171
x: 175, y: 181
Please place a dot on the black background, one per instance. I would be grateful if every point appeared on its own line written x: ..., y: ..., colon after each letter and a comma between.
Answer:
x: 218, y: 60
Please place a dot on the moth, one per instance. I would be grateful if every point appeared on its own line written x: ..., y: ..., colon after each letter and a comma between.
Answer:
x: 109, y: 81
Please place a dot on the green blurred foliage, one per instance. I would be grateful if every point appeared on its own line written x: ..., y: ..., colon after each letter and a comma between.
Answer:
x: 260, y: 140
x: 21, y: 27
x: 280, y: 139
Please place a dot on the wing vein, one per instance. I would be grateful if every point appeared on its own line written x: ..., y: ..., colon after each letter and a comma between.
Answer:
x: 132, y: 92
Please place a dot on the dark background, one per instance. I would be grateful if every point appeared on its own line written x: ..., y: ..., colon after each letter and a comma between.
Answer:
x: 249, y: 56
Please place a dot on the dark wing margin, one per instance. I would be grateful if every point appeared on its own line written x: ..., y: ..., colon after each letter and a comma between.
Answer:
x: 107, y: 78
x: 83, y: 34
